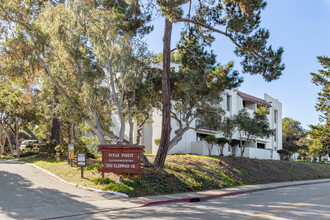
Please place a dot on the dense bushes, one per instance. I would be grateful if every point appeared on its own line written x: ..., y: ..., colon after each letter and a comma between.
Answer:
x: 284, y: 154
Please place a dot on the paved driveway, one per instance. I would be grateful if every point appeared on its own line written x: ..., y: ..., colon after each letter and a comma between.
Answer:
x: 28, y: 193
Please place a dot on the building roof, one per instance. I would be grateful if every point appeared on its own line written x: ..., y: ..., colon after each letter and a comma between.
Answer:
x: 253, y: 99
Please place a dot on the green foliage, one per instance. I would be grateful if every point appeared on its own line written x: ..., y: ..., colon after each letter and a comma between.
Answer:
x: 284, y: 154
x: 63, y: 148
x: 127, y: 186
x: 262, y: 110
x: 323, y: 79
x: 119, y: 188
x: 135, y: 183
x: 250, y: 128
x: 222, y: 140
x: 46, y: 147
x: 227, y: 127
x: 233, y: 143
x: 94, y: 167
x: 101, y: 180
x: 157, y: 141
x: 292, y: 135
x: 28, y: 153
x: 320, y: 140
x: 211, y: 139
x: 241, y: 20
x: 320, y: 134
x: 81, y: 147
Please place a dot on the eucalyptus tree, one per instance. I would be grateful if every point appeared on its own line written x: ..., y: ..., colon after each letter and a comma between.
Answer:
x: 68, y: 50
x: 237, y: 20
x: 113, y: 31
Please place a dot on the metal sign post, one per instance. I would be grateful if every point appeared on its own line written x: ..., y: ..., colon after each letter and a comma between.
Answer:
x: 81, y: 162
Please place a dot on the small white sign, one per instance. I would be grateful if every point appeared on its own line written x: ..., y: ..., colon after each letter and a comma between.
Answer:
x: 81, y: 159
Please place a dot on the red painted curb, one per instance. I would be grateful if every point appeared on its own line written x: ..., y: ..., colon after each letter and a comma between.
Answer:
x: 188, y: 199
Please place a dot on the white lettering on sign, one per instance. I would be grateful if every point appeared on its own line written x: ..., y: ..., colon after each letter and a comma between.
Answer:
x: 121, y: 165
x: 113, y: 155
x: 132, y: 165
x: 127, y: 155
x: 123, y: 161
x: 108, y: 165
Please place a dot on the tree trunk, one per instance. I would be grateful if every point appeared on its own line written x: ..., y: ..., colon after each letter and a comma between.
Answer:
x: 98, y: 132
x: 8, y: 138
x: 56, y: 130
x: 222, y: 146
x: 117, y: 100
x: 16, y: 136
x: 145, y: 160
x: 131, y: 125
x: 166, y: 117
x: 2, y: 140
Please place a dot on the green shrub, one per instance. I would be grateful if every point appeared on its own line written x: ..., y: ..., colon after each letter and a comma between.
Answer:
x: 211, y: 139
x: 121, y: 187
x: 27, y: 153
x: 134, y: 183
x: 46, y: 147
x: 222, y: 140
x: 62, y: 148
x: 127, y: 186
x: 101, y: 180
x: 81, y: 147
x: 284, y: 154
x: 94, y: 167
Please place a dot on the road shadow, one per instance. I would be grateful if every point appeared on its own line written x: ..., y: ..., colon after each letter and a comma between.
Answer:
x: 21, y: 199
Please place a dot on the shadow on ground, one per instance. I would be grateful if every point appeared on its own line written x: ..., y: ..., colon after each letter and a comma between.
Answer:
x: 21, y: 199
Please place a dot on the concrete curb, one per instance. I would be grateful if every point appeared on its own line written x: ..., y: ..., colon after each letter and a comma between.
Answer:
x: 191, y: 199
x: 73, y: 184
x: 203, y: 198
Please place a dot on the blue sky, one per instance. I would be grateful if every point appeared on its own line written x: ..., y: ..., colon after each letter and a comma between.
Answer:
x: 302, y: 27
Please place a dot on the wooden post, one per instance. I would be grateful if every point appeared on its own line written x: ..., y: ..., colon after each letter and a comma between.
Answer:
x: 82, y: 172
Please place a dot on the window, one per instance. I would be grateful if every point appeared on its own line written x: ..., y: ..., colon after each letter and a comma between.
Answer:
x: 275, y: 116
x: 201, y: 137
x: 275, y: 136
x: 261, y: 145
x: 244, y: 104
x: 228, y: 103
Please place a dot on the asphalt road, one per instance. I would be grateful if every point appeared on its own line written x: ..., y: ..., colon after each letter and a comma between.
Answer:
x: 27, y: 193
x: 299, y: 202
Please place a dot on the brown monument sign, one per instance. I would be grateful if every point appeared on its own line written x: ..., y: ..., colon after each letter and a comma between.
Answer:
x: 121, y: 159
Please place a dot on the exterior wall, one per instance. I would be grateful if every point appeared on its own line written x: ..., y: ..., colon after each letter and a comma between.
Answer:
x: 200, y: 148
x: 276, y: 143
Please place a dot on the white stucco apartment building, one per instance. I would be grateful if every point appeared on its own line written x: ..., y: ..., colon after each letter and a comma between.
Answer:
x: 233, y: 101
